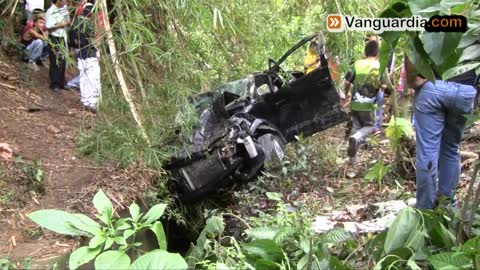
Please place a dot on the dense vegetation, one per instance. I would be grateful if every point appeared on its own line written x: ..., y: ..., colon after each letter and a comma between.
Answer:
x: 169, y: 50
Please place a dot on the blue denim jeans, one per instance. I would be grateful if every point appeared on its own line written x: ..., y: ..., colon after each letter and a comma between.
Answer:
x: 36, y: 50
x: 439, y: 124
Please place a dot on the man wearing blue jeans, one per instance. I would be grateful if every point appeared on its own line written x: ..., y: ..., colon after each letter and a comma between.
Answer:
x: 439, y: 122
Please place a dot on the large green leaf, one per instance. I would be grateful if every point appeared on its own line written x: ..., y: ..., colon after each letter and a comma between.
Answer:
x: 82, y: 256
x: 56, y: 220
x: 157, y: 229
x: 472, y: 246
x: 440, y: 45
x: 104, y: 206
x: 441, y: 236
x: 455, y: 71
x: 154, y: 213
x: 263, y: 249
x: 159, y: 259
x: 396, y: 9
x: 425, y: 8
x: 284, y: 233
x: 419, y: 58
x: 403, y: 229
x: 471, y: 53
x: 262, y: 233
x: 262, y: 264
x: 467, y: 40
x: 386, y: 50
x: 96, y: 241
x: 336, y: 236
x: 450, y: 261
x: 134, y: 210
x: 302, y: 263
x: 113, y: 259
x: 86, y: 224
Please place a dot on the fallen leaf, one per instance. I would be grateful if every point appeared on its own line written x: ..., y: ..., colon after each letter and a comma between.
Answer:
x: 351, y: 174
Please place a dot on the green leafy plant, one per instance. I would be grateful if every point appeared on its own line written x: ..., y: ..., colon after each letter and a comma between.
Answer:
x: 397, y: 129
x: 467, y: 257
x: 402, y: 244
x: 449, y: 53
x: 33, y: 172
x: 378, y: 172
x: 111, y: 239
x: 287, y: 240
x: 415, y: 237
x: 24, y: 264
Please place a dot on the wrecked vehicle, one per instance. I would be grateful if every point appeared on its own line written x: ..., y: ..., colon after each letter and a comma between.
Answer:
x: 245, y: 123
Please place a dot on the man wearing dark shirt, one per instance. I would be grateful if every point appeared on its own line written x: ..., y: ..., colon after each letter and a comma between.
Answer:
x: 57, y: 20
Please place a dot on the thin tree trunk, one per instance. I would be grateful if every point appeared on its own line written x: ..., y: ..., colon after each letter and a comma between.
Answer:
x: 466, y: 201
x: 119, y: 73
x: 476, y: 200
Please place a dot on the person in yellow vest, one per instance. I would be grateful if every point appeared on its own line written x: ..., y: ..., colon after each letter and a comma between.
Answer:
x: 311, y: 59
x: 366, y: 81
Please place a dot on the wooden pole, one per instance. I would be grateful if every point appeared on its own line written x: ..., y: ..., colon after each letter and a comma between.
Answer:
x: 119, y: 73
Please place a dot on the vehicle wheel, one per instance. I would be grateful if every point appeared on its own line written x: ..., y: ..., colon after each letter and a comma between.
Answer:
x: 273, y: 147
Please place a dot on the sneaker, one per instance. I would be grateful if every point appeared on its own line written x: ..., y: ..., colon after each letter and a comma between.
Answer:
x: 91, y: 109
x: 352, y: 160
x: 352, y: 147
x: 376, y: 132
x: 33, y: 65
x: 56, y: 90
x: 72, y: 87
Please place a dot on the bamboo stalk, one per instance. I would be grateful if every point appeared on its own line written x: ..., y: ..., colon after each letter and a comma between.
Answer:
x: 14, y: 7
x: 123, y: 30
x: 119, y: 73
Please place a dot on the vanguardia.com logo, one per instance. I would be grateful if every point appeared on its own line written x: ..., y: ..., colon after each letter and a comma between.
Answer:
x: 453, y: 23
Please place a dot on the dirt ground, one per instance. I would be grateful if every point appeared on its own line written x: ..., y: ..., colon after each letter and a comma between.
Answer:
x: 42, y: 127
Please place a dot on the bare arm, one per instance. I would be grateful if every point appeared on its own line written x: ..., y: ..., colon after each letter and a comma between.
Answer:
x: 347, y: 88
x: 34, y: 34
x: 413, y: 80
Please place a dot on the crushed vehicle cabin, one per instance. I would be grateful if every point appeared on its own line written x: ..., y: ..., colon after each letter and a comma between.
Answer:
x: 245, y: 123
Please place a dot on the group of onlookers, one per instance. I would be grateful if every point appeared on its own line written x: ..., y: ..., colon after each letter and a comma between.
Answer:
x: 50, y: 34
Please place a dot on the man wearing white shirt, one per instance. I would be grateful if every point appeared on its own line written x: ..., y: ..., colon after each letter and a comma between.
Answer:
x: 57, y: 20
x: 30, y: 5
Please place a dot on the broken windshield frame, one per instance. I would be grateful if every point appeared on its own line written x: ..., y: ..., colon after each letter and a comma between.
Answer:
x: 276, y: 67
